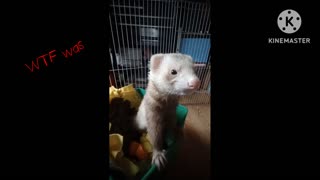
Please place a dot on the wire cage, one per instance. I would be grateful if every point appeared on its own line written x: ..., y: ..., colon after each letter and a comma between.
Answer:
x: 141, y: 28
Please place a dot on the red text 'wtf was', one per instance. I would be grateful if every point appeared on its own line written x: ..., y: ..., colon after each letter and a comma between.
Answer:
x: 49, y: 57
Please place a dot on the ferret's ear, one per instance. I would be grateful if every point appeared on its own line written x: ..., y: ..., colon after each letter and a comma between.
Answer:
x: 155, y: 61
x: 189, y: 57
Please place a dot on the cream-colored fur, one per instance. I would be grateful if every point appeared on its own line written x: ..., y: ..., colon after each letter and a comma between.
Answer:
x: 158, y: 107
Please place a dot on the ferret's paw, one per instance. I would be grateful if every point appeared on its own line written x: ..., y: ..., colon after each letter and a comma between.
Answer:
x: 159, y: 159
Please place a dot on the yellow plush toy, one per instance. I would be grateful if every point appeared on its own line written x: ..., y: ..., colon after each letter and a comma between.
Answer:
x: 143, y: 150
x: 116, y: 154
x: 127, y: 93
x: 145, y: 141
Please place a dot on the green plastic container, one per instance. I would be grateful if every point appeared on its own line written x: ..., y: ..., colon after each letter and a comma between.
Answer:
x: 181, y: 113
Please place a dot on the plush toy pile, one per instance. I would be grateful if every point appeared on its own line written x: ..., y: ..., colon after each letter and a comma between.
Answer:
x: 130, y: 150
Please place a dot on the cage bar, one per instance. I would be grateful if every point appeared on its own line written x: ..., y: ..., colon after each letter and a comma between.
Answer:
x: 141, y: 28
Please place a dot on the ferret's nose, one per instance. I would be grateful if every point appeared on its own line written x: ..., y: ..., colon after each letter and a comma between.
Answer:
x: 194, y: 84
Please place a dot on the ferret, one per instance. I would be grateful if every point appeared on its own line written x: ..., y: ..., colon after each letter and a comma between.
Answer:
x: 170, y: 76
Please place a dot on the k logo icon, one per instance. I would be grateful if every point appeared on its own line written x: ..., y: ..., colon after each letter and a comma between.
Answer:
x: 289, y: 21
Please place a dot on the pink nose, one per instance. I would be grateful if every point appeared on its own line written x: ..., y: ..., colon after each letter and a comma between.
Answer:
x: 194, y: 84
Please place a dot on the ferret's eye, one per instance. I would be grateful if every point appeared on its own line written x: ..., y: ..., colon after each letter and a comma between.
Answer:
x: 173, y: 72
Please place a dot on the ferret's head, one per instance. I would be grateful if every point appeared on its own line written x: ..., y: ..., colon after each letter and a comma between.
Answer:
x: 173, y: 73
